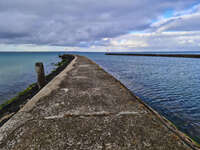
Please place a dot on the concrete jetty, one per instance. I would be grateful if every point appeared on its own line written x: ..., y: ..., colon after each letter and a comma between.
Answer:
x: 86, y: 108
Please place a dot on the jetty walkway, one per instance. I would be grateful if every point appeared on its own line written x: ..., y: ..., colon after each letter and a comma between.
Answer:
x: 86, y: 108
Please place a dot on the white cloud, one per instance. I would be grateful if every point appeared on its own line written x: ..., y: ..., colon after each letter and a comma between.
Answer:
x: 158, y: 41
x: 128, y: 43
x: 30, y: 47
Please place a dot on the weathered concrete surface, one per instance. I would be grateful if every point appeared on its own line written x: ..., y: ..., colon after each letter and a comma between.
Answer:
x: 86, y: 108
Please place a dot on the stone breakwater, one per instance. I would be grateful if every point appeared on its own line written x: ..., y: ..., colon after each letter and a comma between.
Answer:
x: 86, y: 108
x: 157, y: 55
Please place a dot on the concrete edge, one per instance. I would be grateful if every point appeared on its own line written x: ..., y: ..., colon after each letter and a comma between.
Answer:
x: 52, y: 85
x: 186, y: 139
x: 22, y: 116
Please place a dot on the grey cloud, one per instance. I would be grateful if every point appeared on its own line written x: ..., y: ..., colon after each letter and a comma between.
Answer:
x: 185, y: 21
x: 77, y: 22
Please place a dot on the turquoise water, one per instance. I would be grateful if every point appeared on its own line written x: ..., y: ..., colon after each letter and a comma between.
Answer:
x: 17, y: 71
x: 169, y: 85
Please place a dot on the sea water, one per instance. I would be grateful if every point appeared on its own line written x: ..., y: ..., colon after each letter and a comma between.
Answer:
x: 17, y: 70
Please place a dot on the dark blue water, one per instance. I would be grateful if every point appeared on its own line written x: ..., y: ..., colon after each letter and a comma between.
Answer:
x: 169, y: 85
x: 17, y: 71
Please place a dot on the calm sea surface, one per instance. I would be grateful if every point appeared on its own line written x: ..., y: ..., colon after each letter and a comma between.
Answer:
x: 17, y: 71
x: 169, y: 85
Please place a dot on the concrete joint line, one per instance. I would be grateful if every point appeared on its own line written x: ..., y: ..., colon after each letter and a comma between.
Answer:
x: 94, y: 114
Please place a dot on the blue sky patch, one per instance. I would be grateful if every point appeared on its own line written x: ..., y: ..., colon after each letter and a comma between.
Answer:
x: 168, y: 14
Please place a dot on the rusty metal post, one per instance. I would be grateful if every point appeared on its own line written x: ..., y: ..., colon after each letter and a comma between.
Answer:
x: 39, y: 68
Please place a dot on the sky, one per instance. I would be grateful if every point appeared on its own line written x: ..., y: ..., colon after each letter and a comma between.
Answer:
x: 99, y: 25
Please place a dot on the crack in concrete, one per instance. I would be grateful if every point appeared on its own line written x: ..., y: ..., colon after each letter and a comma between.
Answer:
x: 94, y: 114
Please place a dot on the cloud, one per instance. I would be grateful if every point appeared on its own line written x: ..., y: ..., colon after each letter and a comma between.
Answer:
x: 181, y: 21
x: 78, y: 23
x: 128, y: 43
x: 157, y: 41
